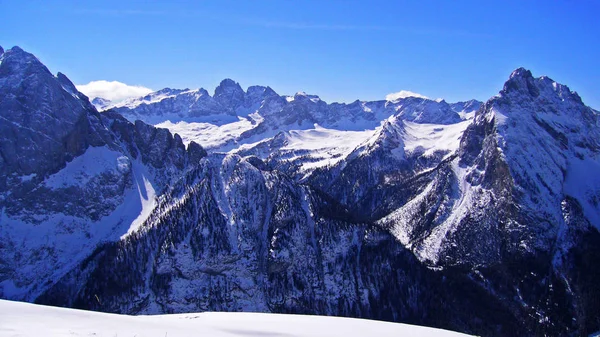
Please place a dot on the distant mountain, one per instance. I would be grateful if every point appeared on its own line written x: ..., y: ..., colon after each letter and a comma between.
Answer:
x: 476, y: 217
x: 101, y: 103
x: 259, y: 112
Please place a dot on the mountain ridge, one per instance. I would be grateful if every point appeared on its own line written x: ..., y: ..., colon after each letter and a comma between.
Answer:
x: 247, y: 116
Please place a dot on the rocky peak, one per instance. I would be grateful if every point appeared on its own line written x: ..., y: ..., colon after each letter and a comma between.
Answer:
x: 521, y: 73
x: 196, y: 152
x: 52, y: 127
x: 391, y: 131
x: 256, y: 94
x: 203, y: 92
x: 560, y: 90
x: 270, y: 92
x: 226, y: 84
x: 101, y: 103
x: 543, y: 97
x: 260, y: 91
x: 1, y: 51
x: 22, y: 74
x: 66, y: 83
x: 169, y: 91
x: 300, y: 95
x: 466, y: 106
x: 521, y: 81
x: 16, y: 53
x: 530, y: 145
x: 423, y: 110
x: 229, y: 93
x: 19, y: 63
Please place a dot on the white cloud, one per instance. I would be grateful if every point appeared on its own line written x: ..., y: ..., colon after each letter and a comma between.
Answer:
x: 403, y: 94
x: 114, y: 91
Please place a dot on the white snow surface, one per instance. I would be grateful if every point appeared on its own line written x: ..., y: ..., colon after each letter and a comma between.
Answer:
x: 209, y: 135
x: 309, y: 148
x: 25, y: 320
x: 80, y: 170
x: 430, y: 138
x: 326, y: 146
x: 320, y: 138
x: 147, y: 196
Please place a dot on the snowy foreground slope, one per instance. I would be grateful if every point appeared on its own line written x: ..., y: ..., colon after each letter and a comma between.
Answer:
x: 25, y: 320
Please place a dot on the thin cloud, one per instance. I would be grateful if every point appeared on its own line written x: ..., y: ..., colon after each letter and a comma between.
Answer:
x: 118, y: 12
x: 290, y: 25
x: 113, y: 91
x: 342, y: 27
x: 312, y: 26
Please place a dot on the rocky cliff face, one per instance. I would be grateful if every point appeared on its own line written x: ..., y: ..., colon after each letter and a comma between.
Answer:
x: 27, y: 87
x: 501, y: 205
x: 486, y: 224
x: 70, y: 177
x: 235, y: 237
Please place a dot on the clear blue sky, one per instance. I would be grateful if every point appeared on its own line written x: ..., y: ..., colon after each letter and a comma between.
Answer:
x: 340, y: 50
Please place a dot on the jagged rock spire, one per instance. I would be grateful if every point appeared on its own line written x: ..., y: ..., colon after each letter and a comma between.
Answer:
x: 229, y: 93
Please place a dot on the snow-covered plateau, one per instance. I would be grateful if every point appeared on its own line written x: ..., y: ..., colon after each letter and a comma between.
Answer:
x: 29, y: 320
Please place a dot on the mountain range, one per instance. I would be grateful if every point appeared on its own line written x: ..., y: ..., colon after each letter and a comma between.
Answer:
x: 479, y: 217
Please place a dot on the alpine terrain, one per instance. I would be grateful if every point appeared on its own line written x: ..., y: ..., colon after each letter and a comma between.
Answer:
x: 477, y: 217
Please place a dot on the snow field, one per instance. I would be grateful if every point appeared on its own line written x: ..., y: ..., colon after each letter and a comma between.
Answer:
x: 28, y: 320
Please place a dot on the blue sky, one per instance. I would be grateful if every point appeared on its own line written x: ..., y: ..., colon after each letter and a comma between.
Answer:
x: 340, y: 50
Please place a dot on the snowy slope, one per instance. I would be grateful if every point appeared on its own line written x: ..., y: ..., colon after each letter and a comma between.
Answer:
x: 429, y: 138
x: 29, y: 320
x: 68, y: 235
x: 213, y: 136
x: 307, y: 149
x: 323, y: 147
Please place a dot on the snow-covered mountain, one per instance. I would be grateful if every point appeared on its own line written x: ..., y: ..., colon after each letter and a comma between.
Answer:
x: 101, y: 103
x: 232, y: 116
x: 475, y: 217
x: 70, y: 178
